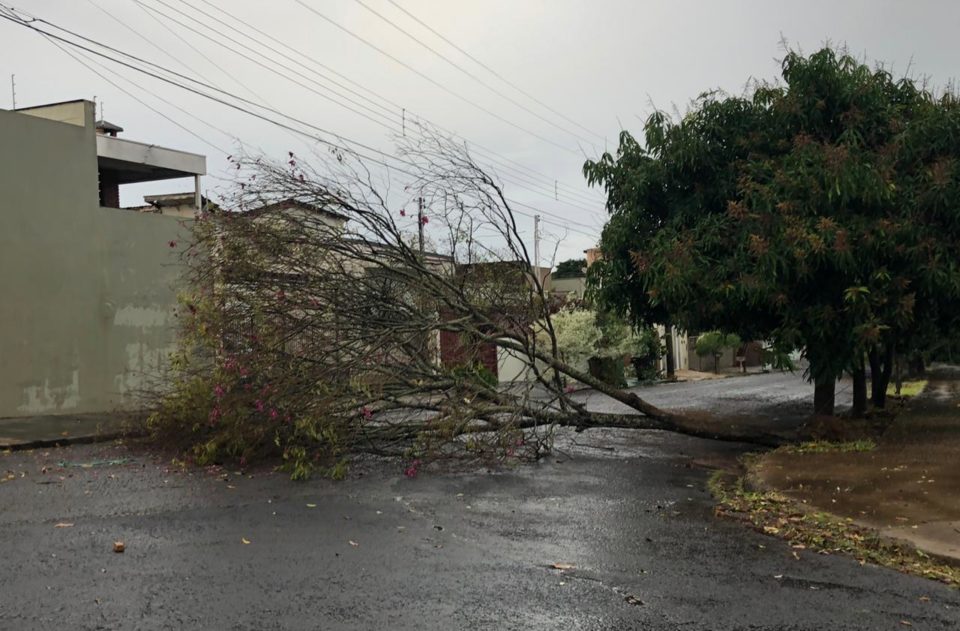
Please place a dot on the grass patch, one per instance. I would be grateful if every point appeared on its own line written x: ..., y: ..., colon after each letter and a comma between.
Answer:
x: 822, y: 533
x: 825, y: 446
x: 907, y: 388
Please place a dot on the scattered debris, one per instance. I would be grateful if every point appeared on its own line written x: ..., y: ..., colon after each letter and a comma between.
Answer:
x: 245, y: 541
x: 353, y: 543
x: 63, y: 524
x: 561, y: 566
x: 119, y: 547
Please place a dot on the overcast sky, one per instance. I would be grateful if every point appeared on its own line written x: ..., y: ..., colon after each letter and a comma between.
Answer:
x: 600, y: 65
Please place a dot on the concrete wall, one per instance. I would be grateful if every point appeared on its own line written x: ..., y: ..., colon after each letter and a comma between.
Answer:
x: 86, y: 293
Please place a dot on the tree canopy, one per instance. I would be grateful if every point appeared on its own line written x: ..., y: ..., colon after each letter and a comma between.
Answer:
x: 819, y: 212
x: 571, y: 268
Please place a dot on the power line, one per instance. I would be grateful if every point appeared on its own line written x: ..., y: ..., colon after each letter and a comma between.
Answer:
x: 255, y: 61
x: 492, y: 71
x: 468, y: 73
x: 519, y: 179
x: 394, y: 106
x: 433, y: 81
x: 16, y: 19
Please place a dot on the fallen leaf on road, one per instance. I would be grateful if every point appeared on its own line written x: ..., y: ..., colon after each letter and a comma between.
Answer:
x: 796, y: 556
x: 906, y: 623
x: 311, y: 505
x: 633, y: 600
x: 562, y: 566
x: 778, y: 576
x: 924, y: 599
x: 353, y: 543
x: 63, y: 524
x: 245, y: 541
x: 119, y: 546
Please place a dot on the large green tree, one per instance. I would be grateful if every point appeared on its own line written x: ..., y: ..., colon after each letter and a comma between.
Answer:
x: 819, y: 212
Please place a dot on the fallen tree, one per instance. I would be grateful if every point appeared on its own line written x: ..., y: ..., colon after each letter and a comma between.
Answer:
x: 318, y: 321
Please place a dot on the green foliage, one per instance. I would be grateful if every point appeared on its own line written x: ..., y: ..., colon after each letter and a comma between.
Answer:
x: 822, y: 446
x: 714, y: 343
x: 820, y: 213
x: 238, y: 396
x: 572, y: 268
x: 583, y: 334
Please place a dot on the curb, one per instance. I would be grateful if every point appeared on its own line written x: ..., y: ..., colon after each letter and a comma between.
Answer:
x: 753, y: 482
x: 66, y: 441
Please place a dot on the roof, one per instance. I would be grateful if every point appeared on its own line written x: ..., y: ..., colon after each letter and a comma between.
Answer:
x: 132, y: 161
x: 287, y: 204
x: 379, y: 246
x: 34, y: 107
x: 172, y: 199
x: 108, y: 126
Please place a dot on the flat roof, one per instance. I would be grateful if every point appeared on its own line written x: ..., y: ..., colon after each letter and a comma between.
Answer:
x: 133, y: 161
x: 35, y: 107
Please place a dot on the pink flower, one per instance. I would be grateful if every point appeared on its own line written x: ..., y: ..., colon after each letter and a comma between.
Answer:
x: 424, y: 220
x: 259, y: 405
x: 411, y: 471
x: 218, y: 391
x: 367, y: 413
x: 403, y: 212
x: 274, y: 414
x: 215, y: 414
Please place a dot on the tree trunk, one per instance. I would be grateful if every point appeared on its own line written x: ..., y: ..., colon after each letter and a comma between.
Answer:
x: 876, y: 374
x: 917, y: 367
x: 880, y: 376
x: 859, y: 375
x: 656, y: 418
x: 823, y: 397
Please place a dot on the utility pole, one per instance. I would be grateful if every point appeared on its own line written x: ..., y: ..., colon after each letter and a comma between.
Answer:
x: 420, y: 223
x: 536, y: 247
x: 13, y: 90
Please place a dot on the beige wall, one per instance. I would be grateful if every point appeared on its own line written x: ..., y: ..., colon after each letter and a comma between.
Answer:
x: 87, y: 292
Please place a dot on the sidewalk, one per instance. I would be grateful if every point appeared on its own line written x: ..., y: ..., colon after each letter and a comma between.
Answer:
x: 43, y: 431
x: 908, y: 487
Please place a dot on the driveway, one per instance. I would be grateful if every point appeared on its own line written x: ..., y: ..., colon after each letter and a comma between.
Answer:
x: 213, y: 549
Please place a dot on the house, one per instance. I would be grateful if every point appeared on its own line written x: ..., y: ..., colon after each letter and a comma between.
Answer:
x: 182, y: 205
x: 497, y: 284
x: 87, y: 315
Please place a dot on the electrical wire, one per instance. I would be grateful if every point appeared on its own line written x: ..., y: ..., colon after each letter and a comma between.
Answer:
x: 13, y: 17
x: 470, y: 74
x: 518, y: 179
x: 394, y: 107
x: 492, y: 71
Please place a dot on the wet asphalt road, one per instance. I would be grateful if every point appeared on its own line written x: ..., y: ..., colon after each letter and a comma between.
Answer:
x: 452, y: 550
x: 781, y: 397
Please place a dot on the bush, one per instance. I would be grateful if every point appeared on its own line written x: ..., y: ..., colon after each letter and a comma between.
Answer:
x: 714, y: 343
